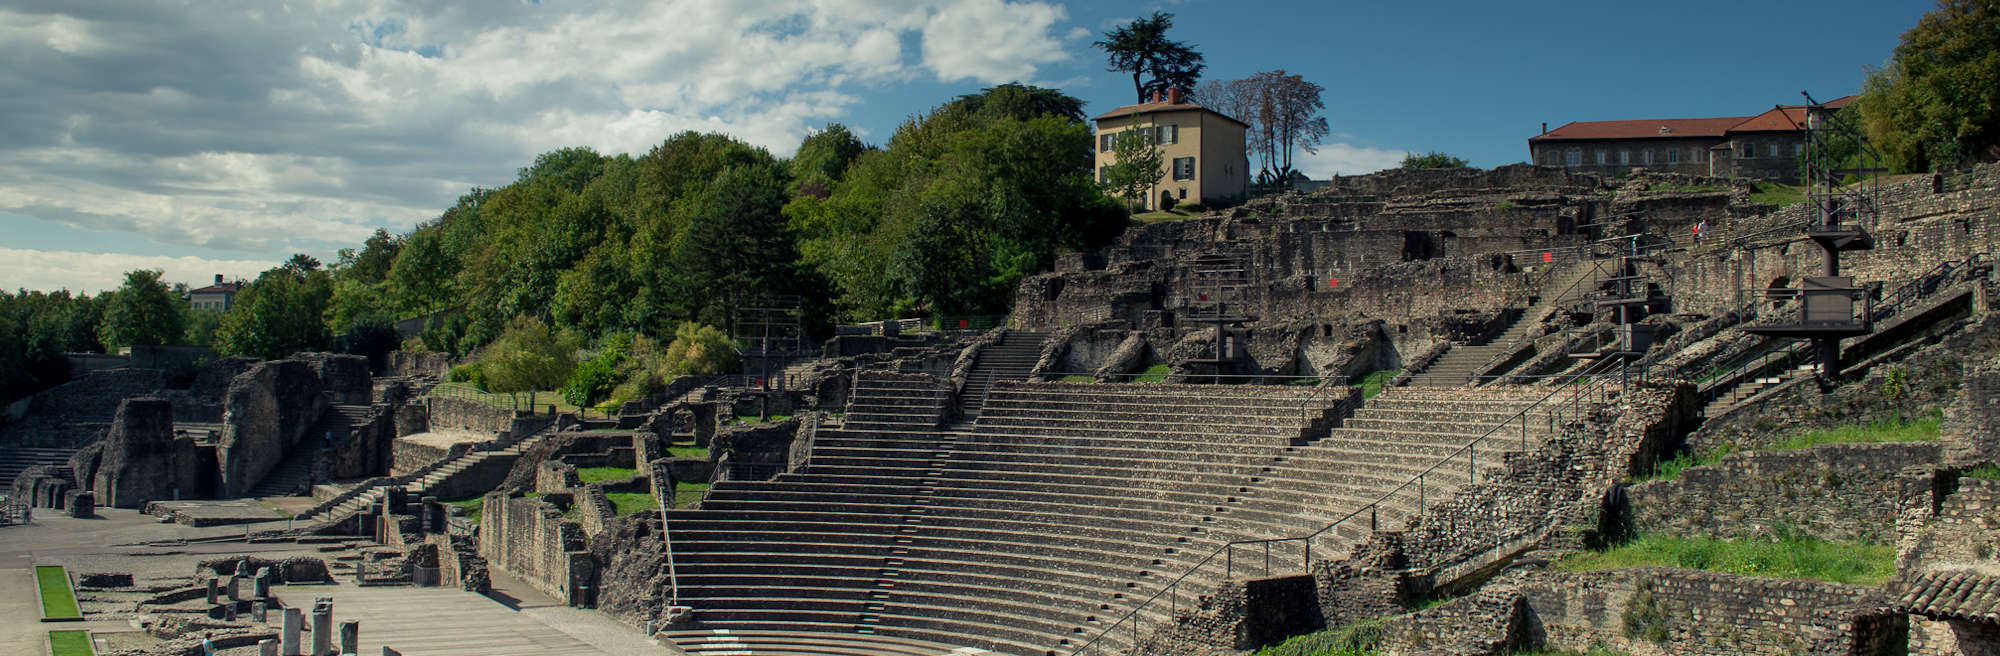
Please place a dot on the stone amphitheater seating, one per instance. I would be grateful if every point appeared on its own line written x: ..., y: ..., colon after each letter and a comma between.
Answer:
x: 1062, y: 506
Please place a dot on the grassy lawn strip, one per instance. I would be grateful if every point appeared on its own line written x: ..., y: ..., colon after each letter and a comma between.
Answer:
x: 1898, y: 429
x: 1776, y: 194
x: 1077, y: 378
x: 58, y: 602
x: 751, y: 421
x: 1988, y: 472
x: 688, y: 452
x: 1790, y: 557
x: 1357, y: 639
x: 473, y: 506
x: 71, y: 643
x: 685, y: 494
x: 1371, y: 384
x: 1153, y: 374
x: 626, y: 503
x: 601, y: 474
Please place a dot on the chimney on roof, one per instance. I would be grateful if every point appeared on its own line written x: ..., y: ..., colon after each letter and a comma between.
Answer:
x: 1156, y: 95
x: 1545, y: 127
x: 218, y: 279
x: 1174, y: 95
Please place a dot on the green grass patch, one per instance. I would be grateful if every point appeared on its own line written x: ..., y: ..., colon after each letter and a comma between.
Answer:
x: 1691, y: 188
x: 1371, y: 384
x: 601, y: 474
x: 626, y: 503
x: 1776, y: 194
x: 1894, y: 429
x: 1153, y: 374
x: 71, y: 643
x: 1162, y: 216
x: 1988, y: 472
x: 1505, y: 205
x: 1077, y: 378
x: 700, y: 452
x: 1791, y: 556
x: 1897, y: 429
x: 752, y: 421
x: 1357, y: 639
x: 58, y: 602
x: 473, y: 506
x: 686, y: 494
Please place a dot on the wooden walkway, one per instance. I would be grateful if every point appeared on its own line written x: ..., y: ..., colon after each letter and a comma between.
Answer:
x: 445, y: 622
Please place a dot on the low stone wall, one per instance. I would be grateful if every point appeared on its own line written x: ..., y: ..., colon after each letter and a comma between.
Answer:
x: 407, y: 456
x: 1658, y: 611
x: 1237, y: 615
x: 459, y: 564
x: 530, y: 539
x: 1840, y: 492
x: 424, y: 364
x: 448, y: 413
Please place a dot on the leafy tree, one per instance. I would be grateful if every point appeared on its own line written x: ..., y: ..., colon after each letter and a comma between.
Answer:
x: 301, y: 264
x: 1936, y: 104
x: 280, y: 313
x: 567, y: 168
x: 371, y: 264
x: 143, y: 311
x: 201, y: 326
x: 1433, y: 160
x: 1156, y: 63
x: 422, y: 275
x: 699, y: 350
x: 1282, y: 111
x: 822, y: 158
x: 530, y: 356
x: 1021, y: 101
x: 1136, y: 167
x: 596, y: 378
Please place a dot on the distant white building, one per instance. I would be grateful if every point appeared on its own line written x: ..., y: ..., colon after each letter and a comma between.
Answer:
x: 217, y: 297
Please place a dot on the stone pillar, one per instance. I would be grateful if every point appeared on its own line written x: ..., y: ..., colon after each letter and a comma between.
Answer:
x: 267, y: 647
x: 83, y: 505
x: 236, y: 587
x: 433, y: 516
x: 289, y: 634
x: 260, y: 585
x: 390, y: 652
x: 350, y: 637
x: 213, y: 591
x: 260, y: 612
x: 322, y: 626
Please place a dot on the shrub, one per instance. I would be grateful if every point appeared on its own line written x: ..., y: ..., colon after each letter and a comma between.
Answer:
x: 471, y: 373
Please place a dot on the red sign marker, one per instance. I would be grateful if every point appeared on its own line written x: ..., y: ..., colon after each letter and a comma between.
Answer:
x: 1548, y: 257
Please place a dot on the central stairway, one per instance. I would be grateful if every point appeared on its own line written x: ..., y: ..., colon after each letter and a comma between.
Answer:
x: 1463, y: 361
x: 1010, y: 359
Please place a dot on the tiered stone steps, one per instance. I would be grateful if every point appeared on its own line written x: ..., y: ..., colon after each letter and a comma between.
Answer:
x: 1063, y: 506
x: 1459, y: 364
x: 1009, y: 360
x: 785, y: 643
x: 14, y: 461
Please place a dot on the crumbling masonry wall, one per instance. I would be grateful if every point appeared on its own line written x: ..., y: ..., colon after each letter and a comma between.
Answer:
x: 530, y: 539
x: 1838, y: 492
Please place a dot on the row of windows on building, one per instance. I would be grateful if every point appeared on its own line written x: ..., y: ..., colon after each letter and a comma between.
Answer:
x: 1154, y: 134
x: 1574, y: 156
x: 1183, y: 169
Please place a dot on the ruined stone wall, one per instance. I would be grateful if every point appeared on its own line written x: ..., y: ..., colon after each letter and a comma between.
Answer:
x: 142, y: 460
x: 1658, y: 611
x: 449, y: 413
x: 406, y: 456
x: 530, y: 539
x: 1836, y: 492
x: 368, y: 449
x: 266, y: 412
x: 77, y: 412
x: 428, y: 364
x: 1918, y: 226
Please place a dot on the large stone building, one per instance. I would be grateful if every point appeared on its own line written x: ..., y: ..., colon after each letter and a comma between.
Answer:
x: 1203, y: 149
x: 216, y: 297
x: 1764, y: 146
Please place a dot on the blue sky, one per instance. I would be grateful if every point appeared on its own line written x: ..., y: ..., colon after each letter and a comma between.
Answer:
x: 219, y: 137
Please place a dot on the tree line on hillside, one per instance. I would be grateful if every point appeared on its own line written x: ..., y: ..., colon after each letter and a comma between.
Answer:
x: 962, y: 202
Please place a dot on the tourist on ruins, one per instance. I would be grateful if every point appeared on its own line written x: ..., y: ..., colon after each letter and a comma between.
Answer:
x: 208, y: 644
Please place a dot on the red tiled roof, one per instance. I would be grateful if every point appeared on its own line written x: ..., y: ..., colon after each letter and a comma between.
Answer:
x: 1152, y: 107
x: 1785, y: 118
x: 1642, y: 129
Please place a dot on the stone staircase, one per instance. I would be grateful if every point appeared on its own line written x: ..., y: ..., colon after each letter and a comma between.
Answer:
x: 1462, y: 362
x: 1010, y: 359
x: 14, y: 461
x: 293, y: 475
x: 1743, y: 391
x: 421, y: 482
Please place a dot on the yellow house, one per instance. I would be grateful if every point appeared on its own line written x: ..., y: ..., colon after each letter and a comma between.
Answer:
x: 1203, y: 150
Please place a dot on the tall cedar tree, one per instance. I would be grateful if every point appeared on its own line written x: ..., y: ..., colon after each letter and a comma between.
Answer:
x: 1156, y: 63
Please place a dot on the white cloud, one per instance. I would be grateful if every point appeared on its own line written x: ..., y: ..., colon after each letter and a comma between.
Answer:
x: 992, y: 41
x: 258, y: 128
x: 1346, y: 159
x: 96, y: 272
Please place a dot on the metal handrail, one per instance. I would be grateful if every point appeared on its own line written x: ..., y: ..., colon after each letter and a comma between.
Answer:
x: 1595, y: 275
x: 1597, y: 388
